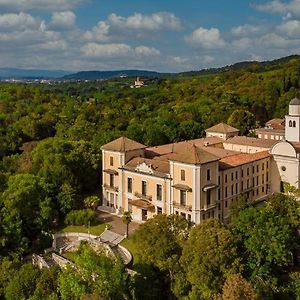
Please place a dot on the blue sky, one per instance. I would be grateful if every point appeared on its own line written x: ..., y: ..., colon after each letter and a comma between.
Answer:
x: 162, y: 35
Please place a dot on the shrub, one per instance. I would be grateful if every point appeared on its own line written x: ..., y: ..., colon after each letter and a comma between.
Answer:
x: 80, y: 217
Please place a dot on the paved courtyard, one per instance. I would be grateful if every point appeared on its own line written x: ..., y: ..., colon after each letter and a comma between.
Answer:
x: 116, y: 223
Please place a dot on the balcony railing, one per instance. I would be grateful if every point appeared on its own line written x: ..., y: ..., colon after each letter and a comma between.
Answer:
x: 144, y: 197
x: 182, y: 206
x: 110, y: 188
x: 206, y: 207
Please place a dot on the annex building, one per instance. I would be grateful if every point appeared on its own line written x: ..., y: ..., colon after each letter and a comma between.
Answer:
x: 201, y: 178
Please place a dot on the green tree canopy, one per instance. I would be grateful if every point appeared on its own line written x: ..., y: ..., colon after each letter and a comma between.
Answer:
x: 208, y: 257
x: 242, y: 120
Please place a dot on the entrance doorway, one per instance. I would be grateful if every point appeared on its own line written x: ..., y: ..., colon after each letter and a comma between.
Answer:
x: 144, y: 215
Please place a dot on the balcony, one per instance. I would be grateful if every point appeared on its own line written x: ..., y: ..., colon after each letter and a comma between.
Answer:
x: 182, y: 206
x: 206, y: 207
x: 144, y: 197
x: 110, y: 188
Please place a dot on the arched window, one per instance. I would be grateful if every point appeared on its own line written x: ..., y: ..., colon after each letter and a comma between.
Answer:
x: 294, y: 123
x: 290, y: 124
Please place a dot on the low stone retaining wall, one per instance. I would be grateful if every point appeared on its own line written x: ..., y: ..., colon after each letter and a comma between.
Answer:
x: 79, y: 236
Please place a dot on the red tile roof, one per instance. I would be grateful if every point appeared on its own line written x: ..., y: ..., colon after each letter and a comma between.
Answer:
x: 250, y: 141
x: 122, y: 144
x: 156, y: 165
x: 241, y: 159
x: 222, y: 128
x: 194, y: 155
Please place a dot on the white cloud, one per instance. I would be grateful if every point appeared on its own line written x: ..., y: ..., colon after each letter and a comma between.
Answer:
x: 99, y: 33
x: 52, y: 5
x: 206, y: 38
x: 155, y: 22
x: 118, y: 27
x: 291, y: 8
x: 248, y: 30
x: 21, y: 21
x: 117, y: 50
x: 106, y: 50
x: 146, y: 51
x: 242, y: 44
x: 61, y: 21
x: 273, y: 40
x: 290, y: 28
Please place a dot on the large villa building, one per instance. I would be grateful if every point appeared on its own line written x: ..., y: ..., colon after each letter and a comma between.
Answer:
x: 202, y: 178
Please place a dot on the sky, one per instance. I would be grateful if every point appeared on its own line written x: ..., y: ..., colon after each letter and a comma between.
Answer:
x: 160, y: 35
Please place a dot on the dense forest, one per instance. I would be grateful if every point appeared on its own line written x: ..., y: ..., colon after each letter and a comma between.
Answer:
x: 50, y: 139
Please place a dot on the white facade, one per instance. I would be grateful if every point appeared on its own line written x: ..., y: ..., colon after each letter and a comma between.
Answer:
x: 292, y: 122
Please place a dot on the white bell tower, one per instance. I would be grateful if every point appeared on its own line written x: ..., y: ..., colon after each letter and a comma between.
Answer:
x: 292, y: 121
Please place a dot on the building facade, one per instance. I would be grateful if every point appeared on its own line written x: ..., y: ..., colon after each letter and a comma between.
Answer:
x: 201, y: 178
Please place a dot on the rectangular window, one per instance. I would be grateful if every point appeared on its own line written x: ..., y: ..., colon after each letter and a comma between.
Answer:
x: 129, y: 206
x: 219, y: 194
x: 219, y: 180
x: 144, y: 188
x: 129, y: 185
x: 242, y: 173
x: 226, y: 192
x: 257, y: 178
x: 257, y: 168
x: 182, y: 197
x: 208, y: 197
x: 267, y: 176
x: 158, y: 192
x: 263, y: 166
x: 159, y: 210
x: 242, y: 186
x: 226, y: 204
x: 226, y: 178
x: 247, y: 171
x: 236, y: 174
x: 208, y: 174
x: 263, y: 189
x: 182, y: 175
x: 231, y: 176
x: 189, y: 218
x: 253, y: 169
x: 232, y: 190
x: 236, y: 188
x: 111, y: 180
x: 111, y: 161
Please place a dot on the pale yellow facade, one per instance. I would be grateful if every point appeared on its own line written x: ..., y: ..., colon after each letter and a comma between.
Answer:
x: 196, y: 179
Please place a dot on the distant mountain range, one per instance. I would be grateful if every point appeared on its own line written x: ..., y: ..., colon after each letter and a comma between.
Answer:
x: 94, y: 75
x: 9, y: 73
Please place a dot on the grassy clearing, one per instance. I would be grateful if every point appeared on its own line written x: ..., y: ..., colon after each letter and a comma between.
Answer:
x: 131, y: 246
x: 95, y: 229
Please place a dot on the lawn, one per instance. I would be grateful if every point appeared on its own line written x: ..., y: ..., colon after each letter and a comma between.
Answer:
x: 131, y: 246
x: 95, y: 229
